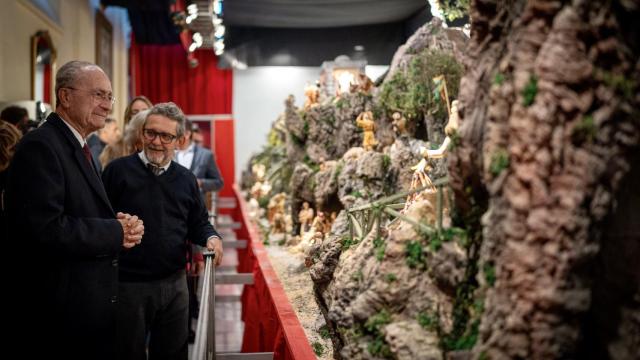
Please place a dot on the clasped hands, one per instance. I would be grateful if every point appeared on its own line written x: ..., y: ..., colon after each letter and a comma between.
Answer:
x: 132, y: 228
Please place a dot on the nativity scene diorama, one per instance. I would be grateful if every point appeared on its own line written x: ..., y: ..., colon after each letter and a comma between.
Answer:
x: 441, y: 211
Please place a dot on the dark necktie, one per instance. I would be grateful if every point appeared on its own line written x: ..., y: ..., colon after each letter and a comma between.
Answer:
x: 87, y: 154
x: 155, y: 169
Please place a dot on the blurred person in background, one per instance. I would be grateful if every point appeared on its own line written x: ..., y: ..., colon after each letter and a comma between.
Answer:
x: 16, y: 116
x: 108, y: 135
x: 137, y: 104
x: 9, y: 137
x: 130, y: 142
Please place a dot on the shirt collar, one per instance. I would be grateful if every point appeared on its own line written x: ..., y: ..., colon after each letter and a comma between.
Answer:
x: 189, y: 149
x: 144, y: 159
x: 75, y: 132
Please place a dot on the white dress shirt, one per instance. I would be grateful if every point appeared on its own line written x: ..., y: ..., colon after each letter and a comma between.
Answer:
x: 185, y: 157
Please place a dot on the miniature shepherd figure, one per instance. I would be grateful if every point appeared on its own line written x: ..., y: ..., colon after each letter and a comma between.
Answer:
x: 365, y: 121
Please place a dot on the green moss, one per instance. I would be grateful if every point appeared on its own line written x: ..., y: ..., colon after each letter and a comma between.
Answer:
x: 412, y: 92
x: 305, y: 127
x: 454, y: 9
x: 378, y: 347
x: 317, y: 348
x: 455, y: 141
x: 296, y: 140
x: 377, y: 321
x: 282, y: 241
x: 379, y: 246
x: 373, y: 326
x: 586, y: 130
x: 427, y: 320
x: 489, y: 271
x: 415, y: 256
x: 310, y: 163
x: 620, y: 83
x: 347, y: 241
x: 386, y: 161
x: 499, y: 161
x: 530, y: 91
x: 498, y: 79
x: 391, y: 277
x: 357, y: 276
x: 341, y: 103
x: 263, y: 202
x: 464, y: 342
x: 337, y: 171
x: 356, y: 194
x: 324, y: 332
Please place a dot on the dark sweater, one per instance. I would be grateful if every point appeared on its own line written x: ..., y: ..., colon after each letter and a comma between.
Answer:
x: 172, y: 210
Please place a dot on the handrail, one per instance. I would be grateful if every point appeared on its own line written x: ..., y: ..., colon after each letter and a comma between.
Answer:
x: 204, y: 346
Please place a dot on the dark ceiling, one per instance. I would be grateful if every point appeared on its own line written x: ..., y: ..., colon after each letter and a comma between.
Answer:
x: 293, y: 32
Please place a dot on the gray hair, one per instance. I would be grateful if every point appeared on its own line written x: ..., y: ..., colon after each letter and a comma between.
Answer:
x: 132, y: 131
x: 69, y: 73
x: 171, y: 111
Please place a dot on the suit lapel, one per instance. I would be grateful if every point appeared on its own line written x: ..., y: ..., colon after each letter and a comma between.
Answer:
x: 88, y: 170
x: 195, y: 160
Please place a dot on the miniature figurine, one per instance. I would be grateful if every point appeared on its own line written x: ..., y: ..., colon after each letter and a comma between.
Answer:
x: 365, y: 121
x: 319, y: 224
x: 420, y: 176
x: 276, y: 206
x: 399, y: 124
x: 312, y: 93
x: 305, y: 217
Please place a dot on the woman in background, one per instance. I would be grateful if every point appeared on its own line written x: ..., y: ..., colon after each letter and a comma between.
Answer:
x: 9, y: 137
x: 139, y: 103
x: 129, y: 143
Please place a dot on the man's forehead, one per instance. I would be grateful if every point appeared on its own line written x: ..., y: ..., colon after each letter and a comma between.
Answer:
x: 94, y: 78
x: 161, y: 121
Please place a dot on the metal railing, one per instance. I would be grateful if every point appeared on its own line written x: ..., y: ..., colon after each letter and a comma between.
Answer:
x: 204, y: 346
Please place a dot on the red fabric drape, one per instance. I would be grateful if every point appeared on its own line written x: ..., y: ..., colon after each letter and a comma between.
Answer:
x: 162, y: 73
x: 270, y: 324
x: 224, y: 144
x: 46, y: 97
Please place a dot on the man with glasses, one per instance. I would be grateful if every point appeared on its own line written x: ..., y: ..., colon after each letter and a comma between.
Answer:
x: 153, y: 288
x: 59, y: 215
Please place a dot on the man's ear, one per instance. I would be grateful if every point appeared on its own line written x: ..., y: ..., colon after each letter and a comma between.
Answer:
x: 182, y: 140
x: 63, y: 96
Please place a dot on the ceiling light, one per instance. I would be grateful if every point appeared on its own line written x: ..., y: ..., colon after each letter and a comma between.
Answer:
x: 217, y: 7
x: 219, y: 31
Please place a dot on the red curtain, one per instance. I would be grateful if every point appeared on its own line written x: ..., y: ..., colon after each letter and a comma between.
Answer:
x: 46, y: 97
x: 162, y: 73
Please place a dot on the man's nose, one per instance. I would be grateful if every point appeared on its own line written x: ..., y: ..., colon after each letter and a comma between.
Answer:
x: 156, y: 140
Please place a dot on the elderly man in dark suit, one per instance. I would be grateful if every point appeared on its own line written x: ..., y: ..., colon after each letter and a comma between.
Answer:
x: 62, y: 226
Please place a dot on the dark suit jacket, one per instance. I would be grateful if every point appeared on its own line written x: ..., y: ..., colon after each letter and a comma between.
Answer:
x: 65, y: 235
x: 205, y: 169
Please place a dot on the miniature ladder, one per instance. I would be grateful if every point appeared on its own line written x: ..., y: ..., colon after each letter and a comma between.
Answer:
x: 204, y: 347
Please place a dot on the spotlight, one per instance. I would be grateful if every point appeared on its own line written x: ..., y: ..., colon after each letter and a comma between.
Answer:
x: 219, y: 31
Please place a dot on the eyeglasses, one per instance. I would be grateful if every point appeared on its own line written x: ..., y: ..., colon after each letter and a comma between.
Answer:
x: 98, y: 95
x: 164, y: 137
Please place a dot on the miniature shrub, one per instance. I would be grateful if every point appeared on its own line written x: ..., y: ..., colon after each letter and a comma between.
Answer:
x: 529, y: 92
x: 499, y: 162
